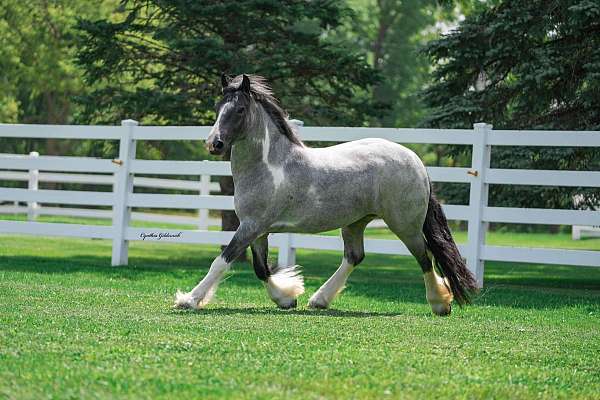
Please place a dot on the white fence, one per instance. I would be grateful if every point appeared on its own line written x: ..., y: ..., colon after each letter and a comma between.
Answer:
x: 122, y: 199
x: 33, y: 209
x: 579, y: 231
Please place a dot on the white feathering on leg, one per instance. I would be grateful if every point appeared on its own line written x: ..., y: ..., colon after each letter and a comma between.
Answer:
x: 210, y: 295
x: 439, y: 295
x: 334, y: 285
x: 204, y: 292
x: 184, y: 300
x: 285, y: 285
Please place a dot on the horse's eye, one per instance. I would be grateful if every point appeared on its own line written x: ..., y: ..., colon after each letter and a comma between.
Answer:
x: 240, y: 110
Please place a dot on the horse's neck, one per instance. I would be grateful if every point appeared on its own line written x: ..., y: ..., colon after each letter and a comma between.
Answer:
x: 266, y: 145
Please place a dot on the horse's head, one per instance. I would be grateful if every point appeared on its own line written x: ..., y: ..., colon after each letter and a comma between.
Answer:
x: 233, y: 116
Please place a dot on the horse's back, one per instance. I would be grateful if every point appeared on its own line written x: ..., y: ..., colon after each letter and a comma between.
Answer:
x: 370, y: 155
x: 394, y: 172
x: 337, y: 185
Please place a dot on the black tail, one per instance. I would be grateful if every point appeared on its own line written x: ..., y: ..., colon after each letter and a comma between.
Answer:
x: 448, y: 260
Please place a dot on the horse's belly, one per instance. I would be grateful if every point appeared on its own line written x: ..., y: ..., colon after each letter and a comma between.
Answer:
x: 315, y: 225
x: 323, y: 214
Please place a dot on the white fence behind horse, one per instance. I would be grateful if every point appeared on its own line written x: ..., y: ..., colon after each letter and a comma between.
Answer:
x: 34, y: 209
x: 122, y: 199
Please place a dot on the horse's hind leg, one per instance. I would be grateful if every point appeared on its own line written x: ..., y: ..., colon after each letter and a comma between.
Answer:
x: 353, y: 254
x: 437, y: 289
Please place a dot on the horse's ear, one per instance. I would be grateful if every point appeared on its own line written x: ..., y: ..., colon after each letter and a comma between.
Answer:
x: 224, y: 81
x: 245, y: 86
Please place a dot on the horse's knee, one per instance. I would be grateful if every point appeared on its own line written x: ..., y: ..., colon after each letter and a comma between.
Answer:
x: 354, y: 248
x: 354, y: 256
x: 260, y: 252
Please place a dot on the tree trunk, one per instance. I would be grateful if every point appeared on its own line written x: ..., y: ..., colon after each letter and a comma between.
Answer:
x: 56, y: 113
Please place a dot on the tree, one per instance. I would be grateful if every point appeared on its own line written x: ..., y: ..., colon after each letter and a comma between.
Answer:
x: 391, y: 32
x: 523, y: 65
x: 38, y: 78
x: 161, y: 63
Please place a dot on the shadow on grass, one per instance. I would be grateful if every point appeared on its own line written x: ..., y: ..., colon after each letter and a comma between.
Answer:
x: 138, y: 266
x: 275, y: 311
x: 387, y: 278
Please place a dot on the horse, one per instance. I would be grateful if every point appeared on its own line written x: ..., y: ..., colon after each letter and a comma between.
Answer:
x: 282, y: 185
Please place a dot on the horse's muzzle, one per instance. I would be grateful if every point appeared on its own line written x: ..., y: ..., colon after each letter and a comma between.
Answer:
x: 216, y: 147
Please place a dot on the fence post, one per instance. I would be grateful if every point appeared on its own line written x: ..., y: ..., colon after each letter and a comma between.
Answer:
x: 297, y: 122
x: 203, y: 212
x: 34, y: 175
x: 287, y: 254
x: 122, y: 188
x: 478, y: 199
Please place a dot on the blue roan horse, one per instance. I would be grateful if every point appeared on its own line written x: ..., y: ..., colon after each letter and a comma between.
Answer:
x: 281, y: 185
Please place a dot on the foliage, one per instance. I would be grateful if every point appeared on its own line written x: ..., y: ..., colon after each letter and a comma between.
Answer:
x: 75, y: 327
x: 391, y: 32
x: 36, y: 49
x: 38, y: 78
x: 523, y: 65
x: 162, y: 62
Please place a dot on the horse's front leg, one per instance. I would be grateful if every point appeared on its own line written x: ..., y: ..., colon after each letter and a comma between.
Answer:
x: 284, y: 284
x: 204, y: 291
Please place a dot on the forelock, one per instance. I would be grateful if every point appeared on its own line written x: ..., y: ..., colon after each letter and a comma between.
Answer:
x: 259, y: 87
x: 261, y: 92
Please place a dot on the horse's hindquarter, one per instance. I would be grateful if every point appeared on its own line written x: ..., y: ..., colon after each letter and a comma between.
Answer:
x: 326, y: 188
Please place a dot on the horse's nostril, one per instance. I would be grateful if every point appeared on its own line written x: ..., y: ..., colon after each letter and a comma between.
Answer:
x: 218, y: 145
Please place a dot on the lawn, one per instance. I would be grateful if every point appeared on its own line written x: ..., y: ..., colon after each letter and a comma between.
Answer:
x: 74, y: 327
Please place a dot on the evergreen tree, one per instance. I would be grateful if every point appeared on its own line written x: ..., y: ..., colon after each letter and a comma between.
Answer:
x: 161, y: 63
x: 523, y: 65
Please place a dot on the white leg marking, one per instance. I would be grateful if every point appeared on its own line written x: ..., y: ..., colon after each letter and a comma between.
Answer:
x: 438, y: 293
x: 334, y: 285
x: 285, y: 285
x: 203, y: 293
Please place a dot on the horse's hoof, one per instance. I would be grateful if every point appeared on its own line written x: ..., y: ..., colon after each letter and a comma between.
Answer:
x: 184, y: 301
x: 442, y: 310
x: 289, y: 305
x: 317, y: 304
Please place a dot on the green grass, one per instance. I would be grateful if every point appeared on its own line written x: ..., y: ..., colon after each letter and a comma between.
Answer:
x: 71, y: 326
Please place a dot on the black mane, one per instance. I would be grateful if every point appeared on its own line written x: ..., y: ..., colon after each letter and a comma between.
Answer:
x: 262, y: 93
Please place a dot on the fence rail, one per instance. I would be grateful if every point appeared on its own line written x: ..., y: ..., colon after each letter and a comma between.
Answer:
x: 204, y: 186
x: 120, y: 173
